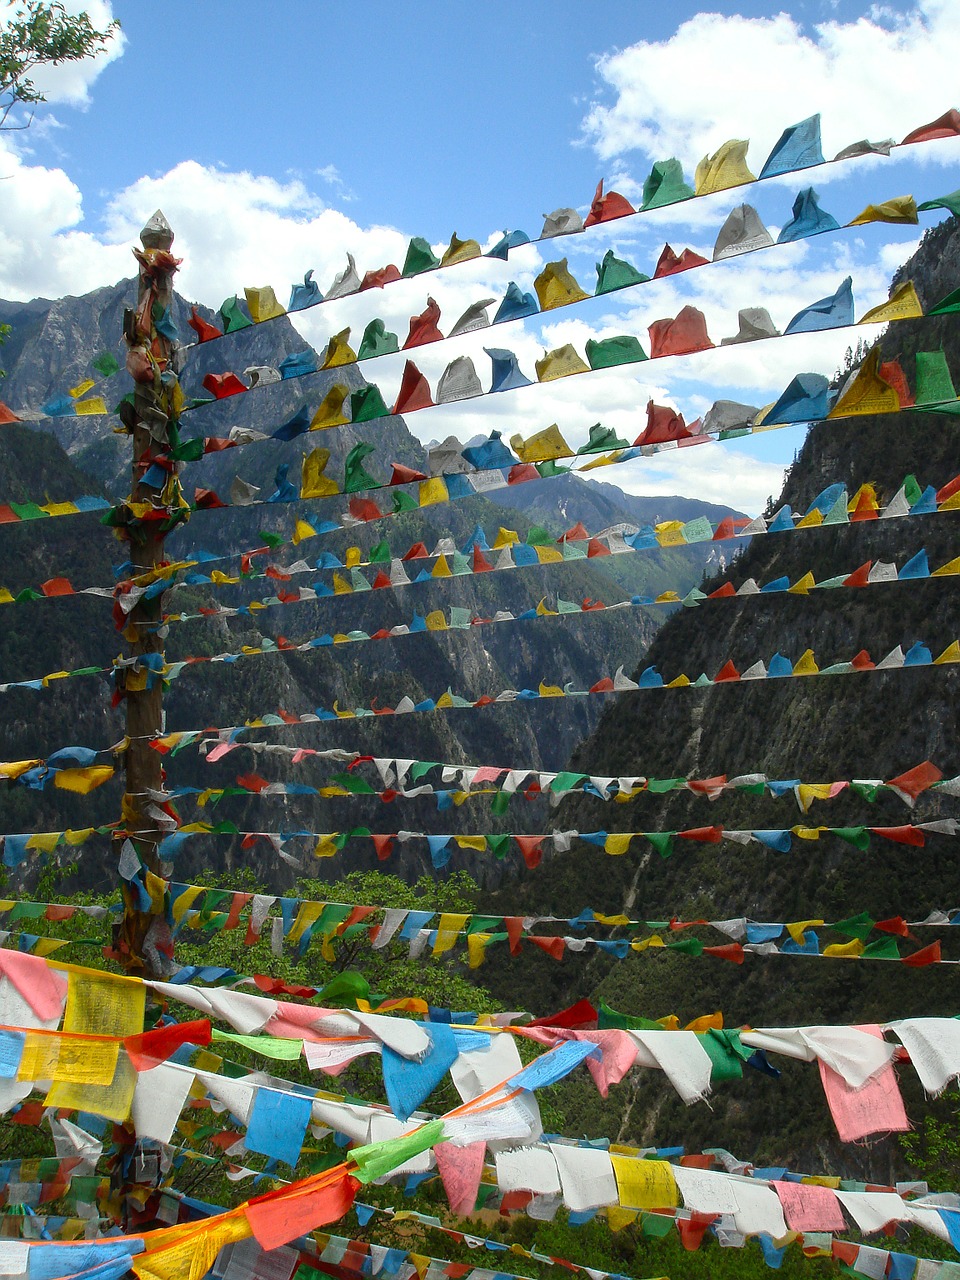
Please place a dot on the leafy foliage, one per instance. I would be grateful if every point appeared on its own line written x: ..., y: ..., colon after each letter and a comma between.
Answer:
x: 40, y: 34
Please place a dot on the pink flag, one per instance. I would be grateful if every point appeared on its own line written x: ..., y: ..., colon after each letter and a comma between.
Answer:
x: 876, y: 1107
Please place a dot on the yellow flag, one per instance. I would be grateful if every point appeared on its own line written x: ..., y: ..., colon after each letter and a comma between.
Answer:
x: 561, y: 363
x: 448, y: 930
x: 504, y: 538
x: 548, y: 555
x: 617, y: 842
x: 459, y: 251
x: 183, y: 903
x: 642, y: 944
x: 325, y: 847
x: 341, y: 586
x: 433, y: 491
x: 91, y: 1062
x: 798, y: 927
x: 903, y: 304
x: 313, y: 482
x: 542, y: 446
x: 803, y: 586
x: 618, y: 1218
x: 81, y: 388
x: 811, y: 520
x: 479, y: 843
x: 706, y: 1022
x: 45, y: 841
x: 308, y: 914
x: 950, y: 654
x: 353, y: 557
x: 83, y: 781
x: 556, y: 287
x: 868, y: 392
x: 551, y: 691
x: 263, y: 304
x: 868, y: 492
x: 95, y: 406
x: 900, y: 209
x: 189, y: 1256
x: 727, y: 167
x: 806, y: 665
x: 302, y: 530
x: 670, y: 534
x: 441, y: 569
x: 420, y: 1263
x: 78, y: 836
x: 645, y: 1184
x: 38, y: 1061
x: 14, y: 768
x: 605, y: 460
x: 339, y: 351
x: 807, y: 792
x: 852, y: 948
x: 120, y: 1009
x: 436, y: 621
x: 330, y: 412
x: 103, y: 1004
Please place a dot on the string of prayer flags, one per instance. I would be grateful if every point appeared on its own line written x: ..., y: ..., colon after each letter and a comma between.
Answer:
x: 855, y: 1055
x: 779, y: 667
x: 463, y: 482
x: 742, y: 232
x: 914, y: 568
x: 144, y: 671
x: 798, y: 148
x: 455, y: 475
x: 301, y: 920
x: 803, y: 1201
x: 409, y: 779
x: 911, y: 499
x: 16, y: 848
x: 680, y: 335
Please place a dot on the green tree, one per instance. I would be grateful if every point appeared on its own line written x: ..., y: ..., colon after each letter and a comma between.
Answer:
x: 36, y: 34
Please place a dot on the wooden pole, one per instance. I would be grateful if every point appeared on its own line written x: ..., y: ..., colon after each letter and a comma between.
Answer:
x: 152, y: 361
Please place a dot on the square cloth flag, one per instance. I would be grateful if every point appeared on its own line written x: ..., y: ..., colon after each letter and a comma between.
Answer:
x: 278, y: 1124
x: 11, y: 1051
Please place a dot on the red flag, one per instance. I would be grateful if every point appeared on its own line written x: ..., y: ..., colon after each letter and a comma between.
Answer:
x: 296, y: 1210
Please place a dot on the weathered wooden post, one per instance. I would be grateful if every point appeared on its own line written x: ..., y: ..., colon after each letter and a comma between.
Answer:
x: 142, y: 941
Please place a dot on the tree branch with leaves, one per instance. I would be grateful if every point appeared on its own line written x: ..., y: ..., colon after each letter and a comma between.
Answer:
x: 36, y: 34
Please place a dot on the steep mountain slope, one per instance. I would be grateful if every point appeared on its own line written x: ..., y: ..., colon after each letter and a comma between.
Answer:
x: 874, y: 725
x: 51, y: 348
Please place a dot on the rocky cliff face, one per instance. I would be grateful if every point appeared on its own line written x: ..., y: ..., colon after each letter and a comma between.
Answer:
x: 871, y: 726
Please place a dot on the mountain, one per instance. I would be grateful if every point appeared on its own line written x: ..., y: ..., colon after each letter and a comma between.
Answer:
x: 50, y: 349
x: 872, y: 726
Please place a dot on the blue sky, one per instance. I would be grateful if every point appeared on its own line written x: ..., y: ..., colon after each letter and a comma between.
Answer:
x: 287, y: 135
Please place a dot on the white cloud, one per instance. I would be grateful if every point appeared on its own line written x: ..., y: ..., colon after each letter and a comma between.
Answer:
x: 711, y: 472
x: 721, y: 77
